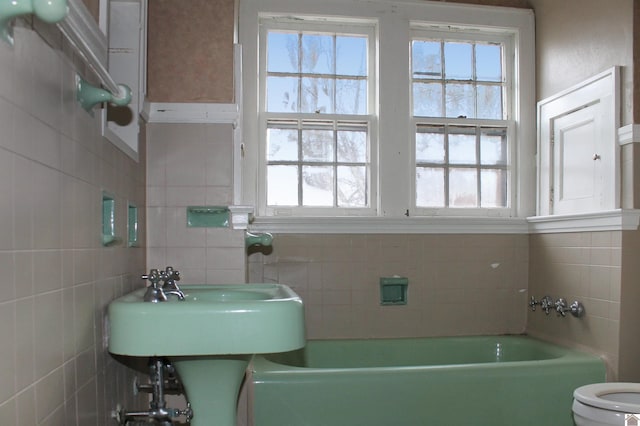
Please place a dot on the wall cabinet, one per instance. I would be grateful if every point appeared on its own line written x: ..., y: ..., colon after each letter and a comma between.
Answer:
x: 578, y: 155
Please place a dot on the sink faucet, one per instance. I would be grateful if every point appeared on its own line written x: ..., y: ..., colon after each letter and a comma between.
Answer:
x: 170, y: 276
x: 154, y: 293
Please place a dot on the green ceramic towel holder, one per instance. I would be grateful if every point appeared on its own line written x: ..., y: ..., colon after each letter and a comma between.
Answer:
x: 89, y: 95
x: 50, y: 11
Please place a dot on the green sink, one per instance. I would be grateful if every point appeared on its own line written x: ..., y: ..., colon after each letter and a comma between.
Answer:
x: 211, y: 320
x: 210, y: 337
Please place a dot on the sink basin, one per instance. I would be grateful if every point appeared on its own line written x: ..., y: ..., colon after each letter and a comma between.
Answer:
x: 212, y: 320
x: 209, y: 337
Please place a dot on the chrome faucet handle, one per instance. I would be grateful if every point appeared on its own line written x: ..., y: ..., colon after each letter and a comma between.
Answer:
x: 561, y: 307
x: 533, y: 302
x: 154, y: 293
x: 575, y: 308
x: 546, y: 304
x: 153, y: 277
x: 171, y: 274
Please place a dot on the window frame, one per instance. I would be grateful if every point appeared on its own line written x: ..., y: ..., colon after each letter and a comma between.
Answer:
x: 421, y: 31
x: 395, y: 197
x: 322, y: 25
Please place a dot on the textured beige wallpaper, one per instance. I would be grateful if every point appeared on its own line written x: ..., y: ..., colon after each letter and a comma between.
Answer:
x: 577, y: 39
x: 190, y: 48
x: 190, y: 51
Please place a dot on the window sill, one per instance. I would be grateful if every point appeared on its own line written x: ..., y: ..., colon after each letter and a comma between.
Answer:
x: 614, y: 220
x: 386, y: 225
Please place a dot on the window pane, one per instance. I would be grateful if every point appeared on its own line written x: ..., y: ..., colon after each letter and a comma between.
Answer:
x: 493, y: 188
x: 352, y: 186
x: 282, y: 145
x: 317, y: 95
x: 317, y: 145
x: 282, y: 94
x: 426, y: 59
x: 351, y: 55
x: 317, y: 54
x: 460, y: 100
x: 490, y: 102
x: 430, y: 144
x: 282, y: 185
x: 427, y: 100
x: 317, y: 186
x: 462, y: 145
x: 493, y: 146
x: 351, y: 96
x: 463, y: 188
x: 352, y: 146
x: 488, y: 62
x: 429, y: 187
x: 458, y: 61
x: 282, y: 52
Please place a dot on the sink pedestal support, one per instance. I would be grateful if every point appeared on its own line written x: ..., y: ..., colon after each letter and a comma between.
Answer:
x: 212, y: 384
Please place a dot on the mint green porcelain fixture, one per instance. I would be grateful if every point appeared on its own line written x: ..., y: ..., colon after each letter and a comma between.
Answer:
x: 50, y: 11
x: 89, y: 95
x: 262, y: 239
x: 210, y: 337
x: 208, y: 217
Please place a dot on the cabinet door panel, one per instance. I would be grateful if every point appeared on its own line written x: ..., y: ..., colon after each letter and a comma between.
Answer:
x: 577, y: 180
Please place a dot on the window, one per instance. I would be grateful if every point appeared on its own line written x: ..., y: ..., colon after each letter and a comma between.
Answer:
x: 461, y: 100
x: 316, y: 89
x: 387, y: 109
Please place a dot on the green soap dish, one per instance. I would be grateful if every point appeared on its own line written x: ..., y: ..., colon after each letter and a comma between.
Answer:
x: 393, y: 290
x: 208, y: 217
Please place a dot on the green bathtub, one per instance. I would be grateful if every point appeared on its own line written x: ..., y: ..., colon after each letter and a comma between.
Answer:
x: 477, y: 381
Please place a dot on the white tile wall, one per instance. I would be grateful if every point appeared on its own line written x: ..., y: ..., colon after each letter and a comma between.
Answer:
x: 190, y: 164
x: 453, y: 287
x: 56, y: 277
x: 585, y: 267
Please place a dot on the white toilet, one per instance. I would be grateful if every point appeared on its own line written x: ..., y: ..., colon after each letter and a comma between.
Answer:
x: 604, y: 404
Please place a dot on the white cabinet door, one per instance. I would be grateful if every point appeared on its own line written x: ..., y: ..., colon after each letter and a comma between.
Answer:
x: 578, y: 181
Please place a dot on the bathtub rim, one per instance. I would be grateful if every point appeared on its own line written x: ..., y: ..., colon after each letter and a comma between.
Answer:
x: 565, y: 356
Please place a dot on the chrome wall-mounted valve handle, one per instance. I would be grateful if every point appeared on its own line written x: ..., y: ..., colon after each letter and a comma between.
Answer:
x: 546, y: 304
x: 533, y: 302
x: 576, y: 309
x: 561, y: 307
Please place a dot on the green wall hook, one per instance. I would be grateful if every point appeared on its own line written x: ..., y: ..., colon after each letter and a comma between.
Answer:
x: 89, y: 95
x: 50, y: 11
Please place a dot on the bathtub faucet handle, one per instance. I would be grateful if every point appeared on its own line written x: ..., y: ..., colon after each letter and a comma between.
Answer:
x: 561, y: 307
x: 576, y: 309
x: 533, y: 302
x: 546, y: 303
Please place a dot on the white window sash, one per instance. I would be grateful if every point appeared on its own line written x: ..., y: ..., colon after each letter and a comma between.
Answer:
x: 395, y: 20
